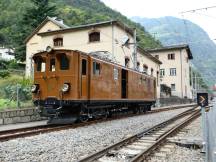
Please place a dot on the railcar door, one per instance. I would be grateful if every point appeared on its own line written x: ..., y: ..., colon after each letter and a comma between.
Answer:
x: 52, y: 80
x: 84, y: 77
x: 124, y: 83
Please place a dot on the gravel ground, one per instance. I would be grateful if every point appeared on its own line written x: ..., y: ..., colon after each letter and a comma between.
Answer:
x: 73, y: 144
x: 183, y: 154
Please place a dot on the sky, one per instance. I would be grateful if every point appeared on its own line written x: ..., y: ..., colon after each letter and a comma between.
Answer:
x: 159, y: 8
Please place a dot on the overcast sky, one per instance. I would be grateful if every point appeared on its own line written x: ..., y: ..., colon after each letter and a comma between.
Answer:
x: 159, y: 8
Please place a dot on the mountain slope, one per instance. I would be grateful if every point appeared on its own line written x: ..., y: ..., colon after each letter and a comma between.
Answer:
x: 73, y: 12
x: 171, y: 30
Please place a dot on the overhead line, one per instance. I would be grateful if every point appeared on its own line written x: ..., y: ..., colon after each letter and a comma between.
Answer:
x: 198, y: 9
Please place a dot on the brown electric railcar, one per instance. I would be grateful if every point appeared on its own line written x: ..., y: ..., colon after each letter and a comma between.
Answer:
x: 71, y: 84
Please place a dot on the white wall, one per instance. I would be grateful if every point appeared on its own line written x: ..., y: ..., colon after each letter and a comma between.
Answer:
x: 4, y: 54
x: 182, y: 79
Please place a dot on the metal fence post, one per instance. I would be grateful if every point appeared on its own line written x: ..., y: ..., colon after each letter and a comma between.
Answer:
x: 206, y: 138
x: 18, y: 102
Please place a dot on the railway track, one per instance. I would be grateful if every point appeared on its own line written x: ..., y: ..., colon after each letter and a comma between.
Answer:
x: 139, y: 147
x: 30, y: 131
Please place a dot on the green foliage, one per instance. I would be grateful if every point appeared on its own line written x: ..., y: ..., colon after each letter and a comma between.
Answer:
x: 6, y: 103
x: 19, y: 18
x: 4, y: 73
x: 13, y: 64
x: 8, y: 88
x: 31, y: 18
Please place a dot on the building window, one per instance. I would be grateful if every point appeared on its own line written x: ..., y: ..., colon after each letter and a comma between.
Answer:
x: 173, y: 88
x: 145, y: 69
x: 157, y: 78
x: 96, y: 68
x: 171, y: 56
x: 172, y: 71
x: 162, y: 72
x: 58, y: 42
x: 64, y: 62
x: 152, y: 71
x: 127, y: 62
x: 52, y: 64
x: 157, y: 56
x: 94, y: 37
x: 138, y: 66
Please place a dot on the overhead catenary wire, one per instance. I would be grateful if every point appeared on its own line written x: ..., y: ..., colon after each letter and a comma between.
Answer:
x: 198, y: 9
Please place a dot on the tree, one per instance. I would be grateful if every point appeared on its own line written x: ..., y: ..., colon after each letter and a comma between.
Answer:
x: 31, y: 19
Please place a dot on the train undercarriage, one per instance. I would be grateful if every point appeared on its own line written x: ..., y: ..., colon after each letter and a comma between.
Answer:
x: 68, y: 112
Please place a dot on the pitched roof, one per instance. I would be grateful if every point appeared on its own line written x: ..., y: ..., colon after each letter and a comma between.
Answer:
x: 146, y: 53
x: 173, y: 47
x: 80, y: 27
x: 61, y: 25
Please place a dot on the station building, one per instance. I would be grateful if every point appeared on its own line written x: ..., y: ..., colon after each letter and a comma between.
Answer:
x: 110, y: 37
x: 175, y: 69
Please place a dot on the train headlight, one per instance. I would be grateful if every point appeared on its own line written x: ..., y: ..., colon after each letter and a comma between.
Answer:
x: 34, y: 88
x: 65, y: 87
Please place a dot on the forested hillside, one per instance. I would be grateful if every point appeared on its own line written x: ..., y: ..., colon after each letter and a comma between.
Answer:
x: 171, y: 30
x: 14, y: 13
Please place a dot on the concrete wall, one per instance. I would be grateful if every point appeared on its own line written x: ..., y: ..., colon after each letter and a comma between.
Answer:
x: 174, y: 101
x: 19, y: 116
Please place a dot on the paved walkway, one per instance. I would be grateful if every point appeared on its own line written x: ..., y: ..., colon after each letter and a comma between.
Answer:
x: 22, y: 125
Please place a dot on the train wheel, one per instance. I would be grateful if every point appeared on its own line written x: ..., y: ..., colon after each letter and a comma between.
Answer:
x: 83, y: 118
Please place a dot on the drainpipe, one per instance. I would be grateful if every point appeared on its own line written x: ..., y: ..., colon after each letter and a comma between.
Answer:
x: 113, y: 40
x: 181, y: 73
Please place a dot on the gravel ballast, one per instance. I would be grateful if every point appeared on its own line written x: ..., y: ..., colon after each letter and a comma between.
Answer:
x: 184, y: 154
x: 73, y: 144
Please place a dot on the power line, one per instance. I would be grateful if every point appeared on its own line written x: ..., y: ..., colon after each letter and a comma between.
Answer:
x: 198, y: 9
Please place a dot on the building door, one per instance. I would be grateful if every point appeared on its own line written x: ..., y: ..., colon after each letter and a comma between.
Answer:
x: 124, y: 83
x: 84, y: 77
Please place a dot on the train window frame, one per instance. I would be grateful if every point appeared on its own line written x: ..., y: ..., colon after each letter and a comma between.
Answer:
x: 42, y: 67
x: 64, y: 65
x: 115, y: 73
x: 96, y: 68
x: 52, y: 65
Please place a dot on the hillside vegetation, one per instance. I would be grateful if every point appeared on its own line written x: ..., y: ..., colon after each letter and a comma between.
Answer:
x: 73, y: 12
x: 171, y: 30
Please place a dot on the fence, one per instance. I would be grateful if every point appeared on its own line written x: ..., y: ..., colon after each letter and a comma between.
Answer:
x: 15, y: 95
x: 211, y: 133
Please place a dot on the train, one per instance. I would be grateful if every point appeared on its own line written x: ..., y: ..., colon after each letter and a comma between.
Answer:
x: 71, y: 85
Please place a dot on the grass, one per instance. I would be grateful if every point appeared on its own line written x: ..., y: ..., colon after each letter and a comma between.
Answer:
x: 6, y: 104
x: 5, y: 99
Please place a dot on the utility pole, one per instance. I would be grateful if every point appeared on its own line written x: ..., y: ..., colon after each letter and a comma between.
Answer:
x: 135, y: 50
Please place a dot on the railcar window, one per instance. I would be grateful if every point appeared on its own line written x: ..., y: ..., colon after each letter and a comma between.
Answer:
x: 96, y: 68
x: 64, y: 62
x: 115, y: 73
x: 83, y: 67
x: 52, y: 64
x: 41, y: 65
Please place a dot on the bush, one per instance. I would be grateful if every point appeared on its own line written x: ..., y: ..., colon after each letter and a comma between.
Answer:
x: 4, y: 73
x: 13, y: 64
